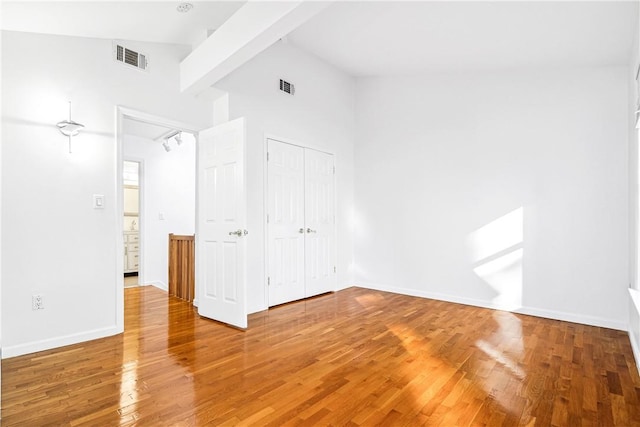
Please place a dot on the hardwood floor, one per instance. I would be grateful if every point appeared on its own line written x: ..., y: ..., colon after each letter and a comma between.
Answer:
x: 357, y: 357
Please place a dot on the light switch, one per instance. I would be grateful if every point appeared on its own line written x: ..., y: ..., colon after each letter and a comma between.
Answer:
x: 98, y: 201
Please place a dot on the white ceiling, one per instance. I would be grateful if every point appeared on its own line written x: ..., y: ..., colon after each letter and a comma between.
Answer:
x: 397, y: 38
x: 366, y: 38
x: 150, y: 21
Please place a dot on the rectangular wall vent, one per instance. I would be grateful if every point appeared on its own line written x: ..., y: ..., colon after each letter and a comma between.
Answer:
x: 131, y: 57
x: 287, y: 87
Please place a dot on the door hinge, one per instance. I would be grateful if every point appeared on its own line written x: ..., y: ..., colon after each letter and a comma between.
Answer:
x: 267, y: 218
x: 334, y: 269
x: 267, y: 156
x: 334, y: 170
x: 268, y: 281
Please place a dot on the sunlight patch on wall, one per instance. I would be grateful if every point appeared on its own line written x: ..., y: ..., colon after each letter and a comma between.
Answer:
x: 504, y: 275
x: 498, y: 235
x: 497, y: 252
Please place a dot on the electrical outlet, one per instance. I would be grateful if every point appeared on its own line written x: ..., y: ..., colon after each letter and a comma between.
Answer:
x: 37, y: 302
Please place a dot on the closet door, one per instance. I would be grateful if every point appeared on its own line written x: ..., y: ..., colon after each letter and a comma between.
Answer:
x: 285, y: 218
x: 319, y: 214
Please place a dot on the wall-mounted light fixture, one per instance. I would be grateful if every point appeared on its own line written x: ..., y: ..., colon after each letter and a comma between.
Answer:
x: 69, y: 128
x: 166, y: 145
x: 178, y: 138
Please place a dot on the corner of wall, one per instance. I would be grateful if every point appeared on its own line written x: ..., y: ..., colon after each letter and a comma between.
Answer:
x: 634, y: 324
x: 158, y: 284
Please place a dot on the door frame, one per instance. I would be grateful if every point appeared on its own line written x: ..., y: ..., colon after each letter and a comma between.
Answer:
x: 265, y: 202
x: 123, y: 113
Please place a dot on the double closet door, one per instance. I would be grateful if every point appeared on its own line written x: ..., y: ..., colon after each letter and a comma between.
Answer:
x: 300, y: 222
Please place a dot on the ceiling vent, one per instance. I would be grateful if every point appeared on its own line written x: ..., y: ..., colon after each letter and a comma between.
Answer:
x: 287, y: 87
x: 131, y: 57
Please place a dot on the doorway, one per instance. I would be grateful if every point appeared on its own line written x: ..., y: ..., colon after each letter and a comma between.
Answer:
x: 300, y: 222
x: 131, y: 222
x: 138, y: 134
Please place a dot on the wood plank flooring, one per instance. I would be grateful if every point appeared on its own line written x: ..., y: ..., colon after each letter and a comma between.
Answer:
x: 357, y: 357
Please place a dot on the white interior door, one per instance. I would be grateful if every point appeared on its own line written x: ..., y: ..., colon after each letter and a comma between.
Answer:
x: 320, y: 220
x: 301, y: 222
x: 285, y: 222
x: 221, y: 235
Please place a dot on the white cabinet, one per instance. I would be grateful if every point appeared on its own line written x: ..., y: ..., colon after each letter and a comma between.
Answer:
x: 131, y: 251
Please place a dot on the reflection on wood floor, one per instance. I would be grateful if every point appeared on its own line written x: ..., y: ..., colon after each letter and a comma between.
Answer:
x: 130, y: 281
x: 356, y: 357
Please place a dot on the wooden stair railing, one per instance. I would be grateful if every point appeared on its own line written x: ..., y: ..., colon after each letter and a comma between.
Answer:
x: 182, y: 266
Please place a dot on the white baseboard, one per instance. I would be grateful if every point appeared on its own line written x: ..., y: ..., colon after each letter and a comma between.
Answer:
x: 344, y: 286
x: 531, y: 311
x: 49, y: 343
x: 158, y: 284
x: 634, y: 324
x: 636, y: 349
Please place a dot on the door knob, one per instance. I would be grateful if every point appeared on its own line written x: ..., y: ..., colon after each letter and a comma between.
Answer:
x: 310, y: 230
x: 301, y: 231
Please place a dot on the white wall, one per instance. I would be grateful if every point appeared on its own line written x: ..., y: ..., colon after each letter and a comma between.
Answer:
x: 634, y: 99
x: 505, y: 189
x: 1, y: 235
x: 168, y: 190
x: 60, y: 246
x: 319, y: 115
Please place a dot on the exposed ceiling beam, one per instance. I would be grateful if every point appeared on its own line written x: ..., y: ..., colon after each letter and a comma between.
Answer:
x: 252, y: 29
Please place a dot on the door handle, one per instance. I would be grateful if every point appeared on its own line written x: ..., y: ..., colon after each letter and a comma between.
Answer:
x: 310, y: 230
x: 238, y: 233
x: 301, y: 231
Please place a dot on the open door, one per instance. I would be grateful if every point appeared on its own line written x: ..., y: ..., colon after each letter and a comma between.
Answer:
x: 221, y: 225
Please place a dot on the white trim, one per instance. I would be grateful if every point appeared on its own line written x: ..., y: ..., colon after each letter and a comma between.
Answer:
x: 158, y: 284
x: 289, y: 141
x: 635, y: 347
x: 634, y: 330
x: 119, y: 213
x: 152, y: 119
x: 530, y: 311
x: 265, y: 223
x: 49, y: 343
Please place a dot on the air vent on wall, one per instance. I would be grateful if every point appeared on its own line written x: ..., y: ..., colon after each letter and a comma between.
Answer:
x: 287, y: 87
x: 131, y: 57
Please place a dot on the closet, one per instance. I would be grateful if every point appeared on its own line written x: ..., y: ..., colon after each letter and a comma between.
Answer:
x: 300, y: 222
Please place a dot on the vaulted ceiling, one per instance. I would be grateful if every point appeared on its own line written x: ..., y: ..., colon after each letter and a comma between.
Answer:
x: 366, y: 38
x: 370, y: 38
